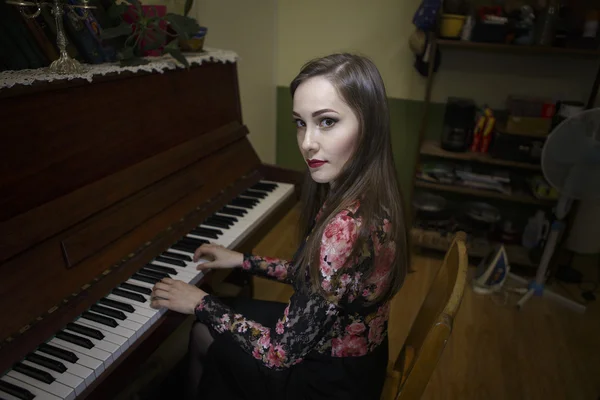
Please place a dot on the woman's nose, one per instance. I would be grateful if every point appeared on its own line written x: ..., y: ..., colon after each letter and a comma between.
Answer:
x: 309, y: 144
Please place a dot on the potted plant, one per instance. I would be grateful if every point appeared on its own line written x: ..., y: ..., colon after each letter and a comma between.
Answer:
x: 149, y: 30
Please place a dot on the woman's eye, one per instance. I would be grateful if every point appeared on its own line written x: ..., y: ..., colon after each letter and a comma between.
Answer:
x: 299, y: 123
x: 327, y: 122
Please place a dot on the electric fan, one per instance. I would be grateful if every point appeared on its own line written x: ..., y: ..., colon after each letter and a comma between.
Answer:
x: 571, y: 164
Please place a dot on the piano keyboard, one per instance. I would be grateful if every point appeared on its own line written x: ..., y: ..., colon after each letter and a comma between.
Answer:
x: 77, y: 355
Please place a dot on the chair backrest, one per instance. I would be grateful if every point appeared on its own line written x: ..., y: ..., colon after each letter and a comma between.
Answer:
x: 433, y: 325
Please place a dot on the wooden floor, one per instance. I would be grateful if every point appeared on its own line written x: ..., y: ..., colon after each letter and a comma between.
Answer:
x: 496, y: 352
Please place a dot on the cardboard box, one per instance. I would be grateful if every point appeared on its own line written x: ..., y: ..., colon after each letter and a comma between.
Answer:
x: 529, y: 126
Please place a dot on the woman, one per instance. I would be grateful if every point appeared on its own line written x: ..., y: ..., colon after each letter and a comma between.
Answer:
x: 330, y: 340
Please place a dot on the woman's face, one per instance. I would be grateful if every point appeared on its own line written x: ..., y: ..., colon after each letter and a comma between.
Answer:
x: 327, y: 128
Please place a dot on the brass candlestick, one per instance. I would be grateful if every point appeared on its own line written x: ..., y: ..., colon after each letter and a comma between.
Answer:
x: 64, y: 64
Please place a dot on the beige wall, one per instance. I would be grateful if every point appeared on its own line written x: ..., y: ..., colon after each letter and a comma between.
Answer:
x: 380, y: 28
x: 248, y: 28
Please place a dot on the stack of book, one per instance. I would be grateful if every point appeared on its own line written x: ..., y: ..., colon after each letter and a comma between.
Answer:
x: 29, y: 43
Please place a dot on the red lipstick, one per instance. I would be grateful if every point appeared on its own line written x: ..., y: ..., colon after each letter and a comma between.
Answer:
x: 315, y: 163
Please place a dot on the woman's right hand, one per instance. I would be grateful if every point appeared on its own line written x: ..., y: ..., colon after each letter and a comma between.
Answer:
x: 218, y: 257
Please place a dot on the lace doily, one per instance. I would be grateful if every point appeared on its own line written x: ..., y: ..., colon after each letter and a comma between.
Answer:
x: 159, y: 64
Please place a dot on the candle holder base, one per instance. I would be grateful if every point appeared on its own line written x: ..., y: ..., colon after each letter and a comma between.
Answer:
x: 66, y: 65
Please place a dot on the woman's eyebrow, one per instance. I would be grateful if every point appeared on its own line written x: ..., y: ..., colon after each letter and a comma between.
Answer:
x: 317, y: 113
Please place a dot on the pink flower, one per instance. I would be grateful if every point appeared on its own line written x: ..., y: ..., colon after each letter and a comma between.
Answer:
x: 387, y: 225
x: 376, y: 330
x: 243, y: 327
x: 326, y: 269
x: 326, y: 285
x: 256, y: 353
x: 279, y: 327
x: 345, y: 279
x: 355, y: 328
x: 275, y: 356
x: 349, y: 346
x: 337, y: 347
x: 265, y: 340
x: 355, y: 346
x: 280, y: 272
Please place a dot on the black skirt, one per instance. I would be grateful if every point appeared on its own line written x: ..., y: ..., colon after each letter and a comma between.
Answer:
x: 231, y: 373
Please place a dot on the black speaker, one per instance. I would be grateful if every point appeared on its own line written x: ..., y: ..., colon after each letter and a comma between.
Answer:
x: 459, y: 120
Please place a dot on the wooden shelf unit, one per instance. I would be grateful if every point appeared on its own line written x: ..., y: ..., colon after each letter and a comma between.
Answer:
x: 517, y: 49
x: 433, y: 148
x: 517, y: 197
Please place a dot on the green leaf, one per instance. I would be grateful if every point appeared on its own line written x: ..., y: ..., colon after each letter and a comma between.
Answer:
x: 126, y: 53
x: 184, y: 26
x: 115, y: 11
x: 177, y: 54
x: 122, y: 30
x: 188, y: 6
x: 154, y: 39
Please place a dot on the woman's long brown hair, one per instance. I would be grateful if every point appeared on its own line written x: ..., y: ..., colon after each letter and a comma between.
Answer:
x: 369, y: 176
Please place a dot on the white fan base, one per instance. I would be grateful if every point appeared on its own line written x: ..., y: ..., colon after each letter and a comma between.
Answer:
x: 573, y: 305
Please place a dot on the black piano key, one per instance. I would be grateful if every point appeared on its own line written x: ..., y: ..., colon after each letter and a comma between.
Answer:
x: 84, y: 330
x: 218, y: 218
x: 153, y: 274
x: 131, y: 296
x: 194, y: 243
x: 233, y: 211
x: 233, y: 220
x: 267, y: 187
x: 109, y: 312
x: 101, y: 319
x: 135, y: 288
x: 160, y: 268
x: 205, y: 234
x: 117, y: 304
x: 178, y: 256
x: 255, y: 194
x: 241, y: 203
x: 46, y: 362
x: 208, y: 230
x: 185, y: 247
x: 145, y: 278
x: 34, y: 373
x: 171, y: 261
x: 248, y: 200
x: 58, y: 353
x: 16, y: 391
x: 216, y: 224
x: 78, y: 340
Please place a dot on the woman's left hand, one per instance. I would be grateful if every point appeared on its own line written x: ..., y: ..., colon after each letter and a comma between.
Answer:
x: 176, y: 295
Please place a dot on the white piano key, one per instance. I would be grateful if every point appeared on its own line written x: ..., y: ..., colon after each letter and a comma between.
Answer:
x: 39, y: 393
x: 55, y: 388
x: 79, y: 370
x: 66, y: 378
x: 91, y: 362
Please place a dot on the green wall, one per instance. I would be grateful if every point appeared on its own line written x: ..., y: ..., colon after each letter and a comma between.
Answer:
x: 405, y: 120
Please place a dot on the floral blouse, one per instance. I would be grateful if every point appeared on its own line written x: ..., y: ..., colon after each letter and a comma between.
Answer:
x: 334, y: 324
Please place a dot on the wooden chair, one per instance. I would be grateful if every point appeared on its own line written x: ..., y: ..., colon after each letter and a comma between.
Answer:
x: 408, y: 376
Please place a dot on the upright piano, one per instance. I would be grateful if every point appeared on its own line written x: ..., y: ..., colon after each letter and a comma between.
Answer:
x: 108, y: 186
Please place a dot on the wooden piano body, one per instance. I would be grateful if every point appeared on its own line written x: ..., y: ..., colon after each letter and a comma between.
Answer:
x: 99, y: 178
